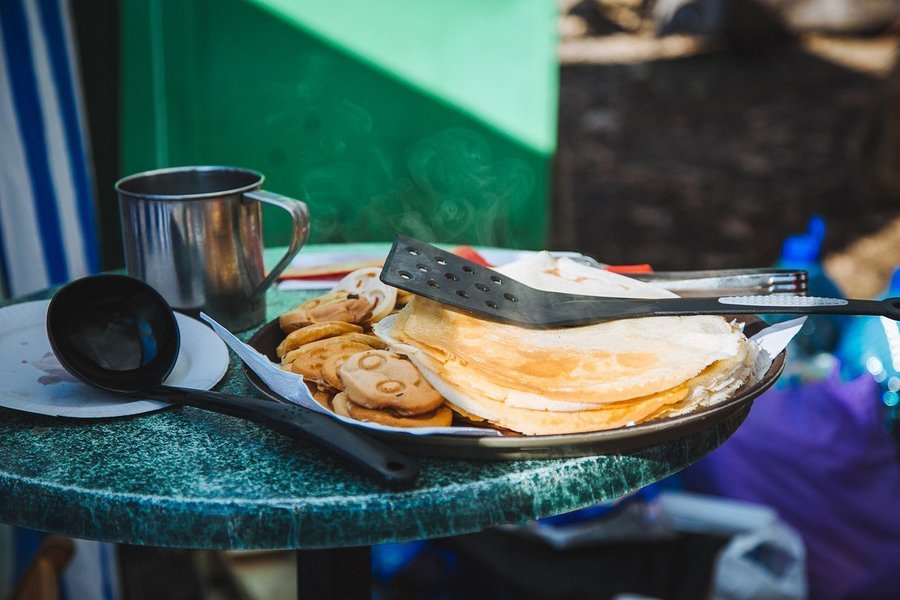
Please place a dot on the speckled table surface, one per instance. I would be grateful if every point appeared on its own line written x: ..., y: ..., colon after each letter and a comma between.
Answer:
x: 188, y: 478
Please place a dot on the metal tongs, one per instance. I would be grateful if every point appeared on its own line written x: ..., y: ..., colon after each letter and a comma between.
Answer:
x: 729, y: 282
x: 720, y: 282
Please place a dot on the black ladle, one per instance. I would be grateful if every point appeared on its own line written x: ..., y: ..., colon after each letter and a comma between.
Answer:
x: 118, y: 334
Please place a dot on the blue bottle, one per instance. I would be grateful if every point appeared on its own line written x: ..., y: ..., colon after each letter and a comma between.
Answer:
x: 820, y: 333
x: 810, y: 355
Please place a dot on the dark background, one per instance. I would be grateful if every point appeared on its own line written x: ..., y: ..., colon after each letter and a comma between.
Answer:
x: 97, y: 32
x: 709, y: 157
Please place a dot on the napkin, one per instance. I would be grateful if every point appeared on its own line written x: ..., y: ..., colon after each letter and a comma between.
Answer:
x: 775, y: 338
x: 290, y: 385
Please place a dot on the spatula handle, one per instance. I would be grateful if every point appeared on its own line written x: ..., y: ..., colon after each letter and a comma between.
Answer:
x: 377, y: 459
x: 806, y: 305
x: 566, y: 310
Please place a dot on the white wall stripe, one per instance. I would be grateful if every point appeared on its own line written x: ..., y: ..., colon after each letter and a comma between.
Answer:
x: 21, y: 236
x: 58, y: 159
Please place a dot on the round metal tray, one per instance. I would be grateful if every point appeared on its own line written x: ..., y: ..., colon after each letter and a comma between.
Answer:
x: 621, y: 439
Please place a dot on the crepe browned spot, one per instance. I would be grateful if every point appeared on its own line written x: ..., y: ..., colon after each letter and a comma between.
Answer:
x: 597, y: 364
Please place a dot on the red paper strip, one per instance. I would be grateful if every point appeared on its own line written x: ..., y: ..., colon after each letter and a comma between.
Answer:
x: 626, y: 269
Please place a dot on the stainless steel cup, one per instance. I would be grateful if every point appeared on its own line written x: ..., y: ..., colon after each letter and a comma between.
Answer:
x: 195, y: 234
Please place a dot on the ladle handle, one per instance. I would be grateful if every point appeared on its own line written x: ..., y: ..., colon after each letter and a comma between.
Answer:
x: 379, y: 460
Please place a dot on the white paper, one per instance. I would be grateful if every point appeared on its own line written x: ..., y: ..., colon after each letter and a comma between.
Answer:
x: 290, y: 386
x: 775, y: 338
x: 307, y: 284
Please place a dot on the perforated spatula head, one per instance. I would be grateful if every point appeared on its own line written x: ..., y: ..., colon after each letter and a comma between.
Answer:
x: 430, y: 272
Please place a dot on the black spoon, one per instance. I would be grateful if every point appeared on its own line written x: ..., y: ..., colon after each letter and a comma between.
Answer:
x: 118, y: 334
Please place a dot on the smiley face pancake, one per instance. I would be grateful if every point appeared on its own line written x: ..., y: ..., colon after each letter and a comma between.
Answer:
x: 379, y: 379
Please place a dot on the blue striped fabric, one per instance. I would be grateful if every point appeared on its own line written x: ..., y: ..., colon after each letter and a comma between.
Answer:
x: 48, y: 232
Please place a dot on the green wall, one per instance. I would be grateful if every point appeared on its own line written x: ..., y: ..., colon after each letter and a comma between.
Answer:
x: 434, y: 119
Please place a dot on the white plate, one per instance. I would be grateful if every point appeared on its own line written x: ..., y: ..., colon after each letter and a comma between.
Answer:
x: 34, y: 381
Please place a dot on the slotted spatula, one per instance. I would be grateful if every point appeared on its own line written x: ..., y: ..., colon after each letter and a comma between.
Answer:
x: 433, y: 273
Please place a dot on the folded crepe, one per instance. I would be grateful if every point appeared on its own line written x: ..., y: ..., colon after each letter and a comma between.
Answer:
x: 578, y: 379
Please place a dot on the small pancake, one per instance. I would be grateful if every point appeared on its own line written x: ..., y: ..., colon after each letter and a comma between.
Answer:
x: 382, y: 380
x: 314, y: 332
x: 338, y: 305
x: 309, y: 359
x: 442, y: 416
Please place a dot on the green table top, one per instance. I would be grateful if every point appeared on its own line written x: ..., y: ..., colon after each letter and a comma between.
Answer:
x: 189, y: 478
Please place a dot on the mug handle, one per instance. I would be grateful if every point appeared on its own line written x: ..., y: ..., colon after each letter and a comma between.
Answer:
x: 299, y: 216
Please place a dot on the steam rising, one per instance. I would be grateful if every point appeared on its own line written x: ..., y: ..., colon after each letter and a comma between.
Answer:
x: 364, y: 181
x: 450, y: 190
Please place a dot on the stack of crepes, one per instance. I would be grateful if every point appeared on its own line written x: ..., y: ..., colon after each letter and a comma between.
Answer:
x: 580, y: 379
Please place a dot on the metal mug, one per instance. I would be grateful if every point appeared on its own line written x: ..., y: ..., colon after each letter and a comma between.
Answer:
x: 195, y: 234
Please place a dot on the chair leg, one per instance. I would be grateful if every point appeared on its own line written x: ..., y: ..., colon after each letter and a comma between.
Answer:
x: 41, y: 579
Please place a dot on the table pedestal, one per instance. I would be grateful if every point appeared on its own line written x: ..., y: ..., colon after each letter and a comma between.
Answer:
x: 335, y: 573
